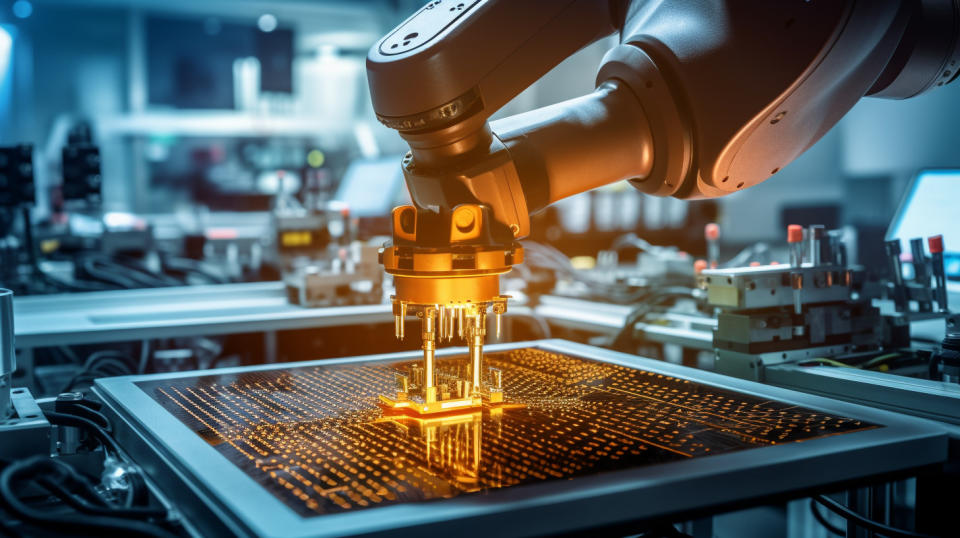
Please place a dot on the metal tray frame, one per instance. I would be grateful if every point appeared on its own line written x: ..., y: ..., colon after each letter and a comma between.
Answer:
x: 217, y: 497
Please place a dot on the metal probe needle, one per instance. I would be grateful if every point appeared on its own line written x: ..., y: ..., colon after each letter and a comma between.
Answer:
x: 429, y: 347
x: 475, y: 344
x: 441, y: 321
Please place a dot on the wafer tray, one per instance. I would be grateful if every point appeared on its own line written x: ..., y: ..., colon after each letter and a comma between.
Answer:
x: 586, y: 437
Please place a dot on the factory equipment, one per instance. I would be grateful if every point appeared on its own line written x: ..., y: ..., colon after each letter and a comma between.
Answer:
x: 947, y: 358
x: 818, y: 307
x: 321, y: 260
x: 16, y: 176
x: 811, y: 308
x: 80, y: 164
x: 306, y: 450
x: 23, y: 428
x: 672, y: 118
x: 8, y: 357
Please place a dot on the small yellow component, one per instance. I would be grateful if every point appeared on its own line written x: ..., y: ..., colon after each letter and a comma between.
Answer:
x: 583, y: 262
x: 302, y: 238
x: 49, y: 245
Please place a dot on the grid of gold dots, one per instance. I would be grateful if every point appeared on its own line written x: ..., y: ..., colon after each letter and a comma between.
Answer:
x: 315, y: 437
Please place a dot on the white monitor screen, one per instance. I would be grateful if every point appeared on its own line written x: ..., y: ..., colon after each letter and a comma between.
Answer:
x: 931, y: 206
x: 371, y: 188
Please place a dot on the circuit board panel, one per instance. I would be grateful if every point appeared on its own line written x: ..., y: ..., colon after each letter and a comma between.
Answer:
x: 315, y: 437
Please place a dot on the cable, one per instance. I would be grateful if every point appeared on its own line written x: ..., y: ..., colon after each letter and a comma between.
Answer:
x: 67, y: 352
x: 625, y: 335
x: 64, y: 419
x: 855, y: 518
x: 137, y: 271
x: 144, y: 357
x: 35, y: 263
x: 829, y: 362
x: 664, y: 531
x: 876, y: 361
x: 85, y: 412
x: 67, y: 523
x: 186, y: 265
x: 102, y: 508
x: 92, y: 267
x: 106, y: 363
x: 822, y: 520
x: 77, y: 286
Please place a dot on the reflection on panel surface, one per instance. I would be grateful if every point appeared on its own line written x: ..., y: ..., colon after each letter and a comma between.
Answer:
x: 315, y: 437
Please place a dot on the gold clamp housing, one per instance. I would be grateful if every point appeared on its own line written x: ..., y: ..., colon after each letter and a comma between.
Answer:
x: 451, y: 289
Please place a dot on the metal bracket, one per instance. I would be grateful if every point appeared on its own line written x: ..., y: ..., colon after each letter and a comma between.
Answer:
x: 27, y: 432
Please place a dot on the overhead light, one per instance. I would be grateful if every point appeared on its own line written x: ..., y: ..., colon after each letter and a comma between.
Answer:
x: 315, y: 158
x: 6, y: 48
x: 267, y: 22
x: 22, y: 9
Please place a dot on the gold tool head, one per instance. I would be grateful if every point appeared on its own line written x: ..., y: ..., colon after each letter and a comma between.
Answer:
x: 450, y: 258
x: 446, y: 267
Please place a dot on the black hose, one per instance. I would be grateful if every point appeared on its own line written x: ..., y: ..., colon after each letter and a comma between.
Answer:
x: 102, y: 363
x: 66, y: 523
x: 82, y: 411
x: 856, y: 519
x: 92, y: 267
x: 139, y: 266
x: 35, y: 263
x: 623, y: 338
x: 144, y: 357
x: 101, y: 508
x: 186, y: 265
x: 830, y: 527
x: 64, y: 419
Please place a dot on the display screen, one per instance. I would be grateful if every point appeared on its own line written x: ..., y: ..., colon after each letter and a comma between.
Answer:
x: 929, y: 208
x: 372, y: 188
x: 315, y: 437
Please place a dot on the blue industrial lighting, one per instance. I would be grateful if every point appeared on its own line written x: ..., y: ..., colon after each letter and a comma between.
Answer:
x: 267, y: 22
x: 6, y: 47
x: 22, y: 9
x: 7, y: 35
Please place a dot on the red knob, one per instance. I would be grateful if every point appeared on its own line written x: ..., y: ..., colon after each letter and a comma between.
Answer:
x: 794, y: 233
x: 712, y: 231
x: 935, y: 242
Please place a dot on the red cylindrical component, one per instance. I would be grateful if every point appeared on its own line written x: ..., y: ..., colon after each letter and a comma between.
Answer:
x: 699, y: 266
x: 794, y: 233
x: 712, y: 231
x: 935, y: 243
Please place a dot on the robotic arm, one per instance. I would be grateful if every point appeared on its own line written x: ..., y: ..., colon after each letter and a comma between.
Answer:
x: 700, y: 99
